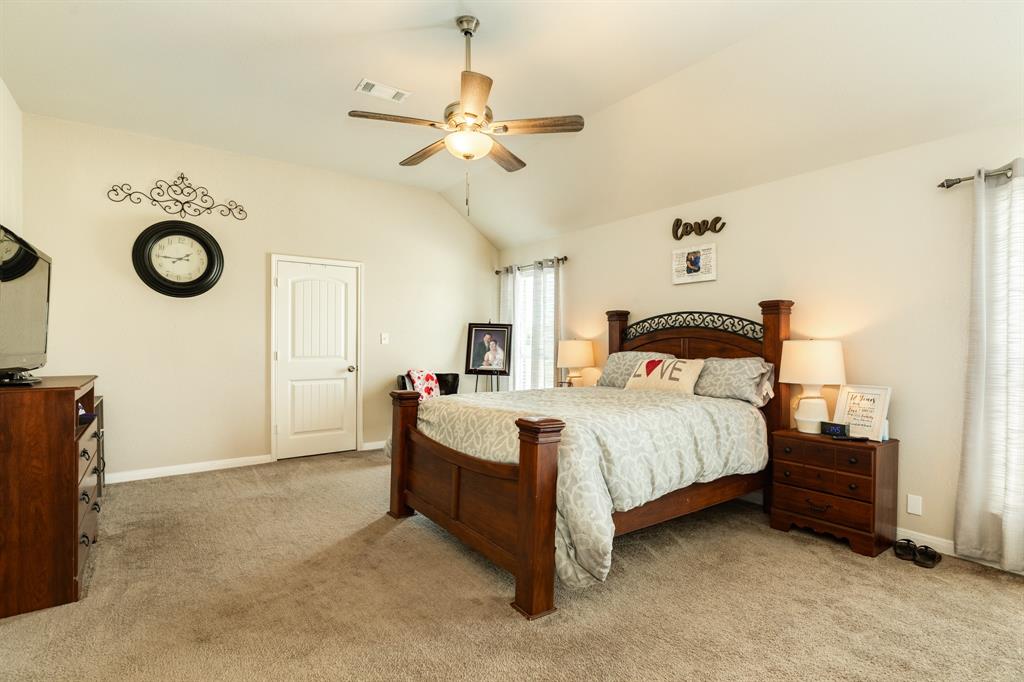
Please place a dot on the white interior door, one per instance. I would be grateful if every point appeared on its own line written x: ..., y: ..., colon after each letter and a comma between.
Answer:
x: 316, y: 358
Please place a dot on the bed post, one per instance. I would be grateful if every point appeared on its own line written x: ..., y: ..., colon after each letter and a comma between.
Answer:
x: 616, y: 328
x: 405, y: 405
x: 538, y: 478
x: 775, y: 315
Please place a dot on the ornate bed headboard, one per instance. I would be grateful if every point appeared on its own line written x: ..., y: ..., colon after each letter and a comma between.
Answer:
x: 695, y: 334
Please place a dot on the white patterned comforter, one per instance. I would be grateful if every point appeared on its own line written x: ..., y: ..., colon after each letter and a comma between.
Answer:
x: 620, y: 449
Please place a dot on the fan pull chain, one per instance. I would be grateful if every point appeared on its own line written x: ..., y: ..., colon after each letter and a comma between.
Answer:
x: 467, y: 193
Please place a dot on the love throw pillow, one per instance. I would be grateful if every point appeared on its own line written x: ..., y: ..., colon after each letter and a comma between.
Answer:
x: 666, y: 375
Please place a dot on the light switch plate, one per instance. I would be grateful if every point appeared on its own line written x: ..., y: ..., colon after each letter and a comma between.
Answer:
x: 385, y: 338
x: 914, y: 505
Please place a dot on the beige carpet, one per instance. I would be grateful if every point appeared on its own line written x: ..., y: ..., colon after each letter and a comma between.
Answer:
x: 291, y: 571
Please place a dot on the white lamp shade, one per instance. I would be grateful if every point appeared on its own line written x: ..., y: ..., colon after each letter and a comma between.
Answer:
x: 574, y: 353
x: 812, y: 362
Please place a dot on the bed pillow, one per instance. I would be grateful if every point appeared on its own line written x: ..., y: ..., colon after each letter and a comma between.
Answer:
x: 666, y: 375
x: 747, y: 379
x: 621, y: 365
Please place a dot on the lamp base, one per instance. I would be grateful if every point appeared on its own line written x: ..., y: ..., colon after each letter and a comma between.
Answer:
x: 810, y: 413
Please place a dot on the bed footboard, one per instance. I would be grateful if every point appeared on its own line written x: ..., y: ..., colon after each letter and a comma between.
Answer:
x: 504, y: 511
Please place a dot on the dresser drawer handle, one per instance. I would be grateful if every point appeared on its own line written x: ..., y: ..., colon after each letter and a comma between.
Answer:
x: 98, y: 434
x: 96, y: 507
x: 852, y: 460
x: 786, y: 473
x: 84, y: 454
x: 96, y: 470
x: 84, y: 497
x: 787, y: 449
x: 84, y: 540
x: 820, y: 510
x: 852, y: 486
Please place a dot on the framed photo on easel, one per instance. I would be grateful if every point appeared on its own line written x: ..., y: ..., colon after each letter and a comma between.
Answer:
x: 865, y: 409
x: 489, y: 349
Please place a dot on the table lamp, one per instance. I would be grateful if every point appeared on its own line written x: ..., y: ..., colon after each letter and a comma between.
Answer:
x: 575, y: 354
x: 813, y: 364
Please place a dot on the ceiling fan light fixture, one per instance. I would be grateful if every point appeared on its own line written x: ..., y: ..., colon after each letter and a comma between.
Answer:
x: 468, y: 144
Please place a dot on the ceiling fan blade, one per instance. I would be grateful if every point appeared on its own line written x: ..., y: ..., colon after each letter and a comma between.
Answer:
x: 506, y: 159
x: 535, y: 126
x: 423, y: 154
x: 374, y: 116
x: 476, y: 88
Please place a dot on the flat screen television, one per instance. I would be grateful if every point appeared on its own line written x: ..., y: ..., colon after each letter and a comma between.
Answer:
x: 24, y: 308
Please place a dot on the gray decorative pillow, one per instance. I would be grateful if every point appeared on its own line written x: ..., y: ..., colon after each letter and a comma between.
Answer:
x: 620, y: 366
x: 747, y: 379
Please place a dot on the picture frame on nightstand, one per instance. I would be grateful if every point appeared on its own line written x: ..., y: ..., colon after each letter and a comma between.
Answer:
x: 865, y: 409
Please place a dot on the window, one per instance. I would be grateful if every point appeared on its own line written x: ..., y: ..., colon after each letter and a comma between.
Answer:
x: 531, y: 301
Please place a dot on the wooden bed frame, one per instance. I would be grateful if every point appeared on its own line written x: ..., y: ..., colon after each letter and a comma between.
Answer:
x: 507, y: 511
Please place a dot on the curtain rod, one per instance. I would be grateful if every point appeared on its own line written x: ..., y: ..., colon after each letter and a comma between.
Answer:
x: 953, y: 182
x: 557, y: 259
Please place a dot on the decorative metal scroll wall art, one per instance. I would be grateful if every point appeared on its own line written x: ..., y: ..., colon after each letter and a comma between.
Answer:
x: 698, y: 227
x: 740, y: 326
x: 180, y: 197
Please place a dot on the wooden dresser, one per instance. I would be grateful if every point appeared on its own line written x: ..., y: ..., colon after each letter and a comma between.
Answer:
x: 50, y: 491
x: 843, y: 488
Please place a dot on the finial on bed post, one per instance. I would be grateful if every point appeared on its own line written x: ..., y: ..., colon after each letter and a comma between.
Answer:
x: 617, y: 322
x: 775, y: 314
x: 405, y: 408
x: 538, y: 482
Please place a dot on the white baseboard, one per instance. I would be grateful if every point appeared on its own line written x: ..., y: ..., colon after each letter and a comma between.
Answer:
x: 372, y: 445
x: 941, y: 545
x: 191, y: 468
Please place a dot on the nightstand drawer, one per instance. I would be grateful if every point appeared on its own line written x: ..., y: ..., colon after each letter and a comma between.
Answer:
x: 815, y: 454
x: 837, y: 510
x: 805, y: 476
x: 856, y: 461
x: 859, y: 487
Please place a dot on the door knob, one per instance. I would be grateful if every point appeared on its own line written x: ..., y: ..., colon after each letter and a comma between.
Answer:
x: 351, y: 368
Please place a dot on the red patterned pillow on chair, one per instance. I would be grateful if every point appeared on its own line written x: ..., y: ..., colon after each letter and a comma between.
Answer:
x: 424, y: 383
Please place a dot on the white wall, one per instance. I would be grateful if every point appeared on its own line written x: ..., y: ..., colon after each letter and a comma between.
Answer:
x: 187, y: 379
x: 10, y: 162
x: 872, y: 253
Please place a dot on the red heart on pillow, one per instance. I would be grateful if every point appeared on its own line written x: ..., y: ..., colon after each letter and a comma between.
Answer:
x: 652, y: 365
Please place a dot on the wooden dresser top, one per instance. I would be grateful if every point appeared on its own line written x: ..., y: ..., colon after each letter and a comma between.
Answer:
x: 53, y: 384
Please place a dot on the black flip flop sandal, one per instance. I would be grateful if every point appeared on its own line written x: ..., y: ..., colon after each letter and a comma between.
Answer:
x: 905, y: 549
x: 927, y: 557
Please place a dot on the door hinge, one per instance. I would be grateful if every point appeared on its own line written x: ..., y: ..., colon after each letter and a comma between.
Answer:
x: 275, y: 429
x: 275, y: 356
x: 275, y: 281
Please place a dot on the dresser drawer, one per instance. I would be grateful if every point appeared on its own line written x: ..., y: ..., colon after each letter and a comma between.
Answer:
x: 87, y: 536
x: 87, y: 449
x: 831, y: 508
x: 87, y: 491
x: 858, y: 487
x: 804, y: 476
x: 856, y: 461
x: 805, y: 452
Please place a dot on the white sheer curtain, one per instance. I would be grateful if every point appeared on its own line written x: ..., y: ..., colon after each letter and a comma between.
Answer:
x: 531, y: 300
x: 990, y: 499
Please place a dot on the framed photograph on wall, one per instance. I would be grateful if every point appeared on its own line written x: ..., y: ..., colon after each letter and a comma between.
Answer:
x: 694, y: 264
x: 865, y: 409
x: 489, y: 349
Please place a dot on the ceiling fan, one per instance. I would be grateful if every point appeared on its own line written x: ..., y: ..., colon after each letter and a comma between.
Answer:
x: 469, y: 122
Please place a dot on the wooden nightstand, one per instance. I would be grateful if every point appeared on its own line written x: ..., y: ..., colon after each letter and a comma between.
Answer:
x: 846, y: 489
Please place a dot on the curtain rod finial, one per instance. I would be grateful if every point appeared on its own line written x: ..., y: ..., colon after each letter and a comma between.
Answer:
x: 949, y: 182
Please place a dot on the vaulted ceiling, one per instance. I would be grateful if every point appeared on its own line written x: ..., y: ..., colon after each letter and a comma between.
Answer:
x: 682, y: 99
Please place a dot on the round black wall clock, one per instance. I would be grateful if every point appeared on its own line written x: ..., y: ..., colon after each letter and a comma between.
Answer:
x: 178, y: 258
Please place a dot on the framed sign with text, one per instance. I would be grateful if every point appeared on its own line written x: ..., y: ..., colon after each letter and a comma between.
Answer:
x: 864, y: 409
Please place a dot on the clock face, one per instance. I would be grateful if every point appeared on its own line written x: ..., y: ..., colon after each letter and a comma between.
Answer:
x: 179, y: 258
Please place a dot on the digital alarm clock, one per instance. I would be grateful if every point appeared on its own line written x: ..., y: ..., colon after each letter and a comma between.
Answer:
x: 833, y: 429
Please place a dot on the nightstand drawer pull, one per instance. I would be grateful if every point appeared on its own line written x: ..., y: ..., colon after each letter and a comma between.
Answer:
x: 787, y: 473
x: 820, y: 510
x: 787, y: 449
x: 852, y: 486
x: 852, y: 460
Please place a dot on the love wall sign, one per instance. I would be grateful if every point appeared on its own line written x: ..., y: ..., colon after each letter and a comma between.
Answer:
x: 697, y: 227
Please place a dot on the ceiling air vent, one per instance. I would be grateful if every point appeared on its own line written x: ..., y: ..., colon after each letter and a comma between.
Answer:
x: 379, y: 90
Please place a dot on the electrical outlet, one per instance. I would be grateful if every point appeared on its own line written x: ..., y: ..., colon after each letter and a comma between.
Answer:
x: 914, y: 505
x: 385, y: 338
